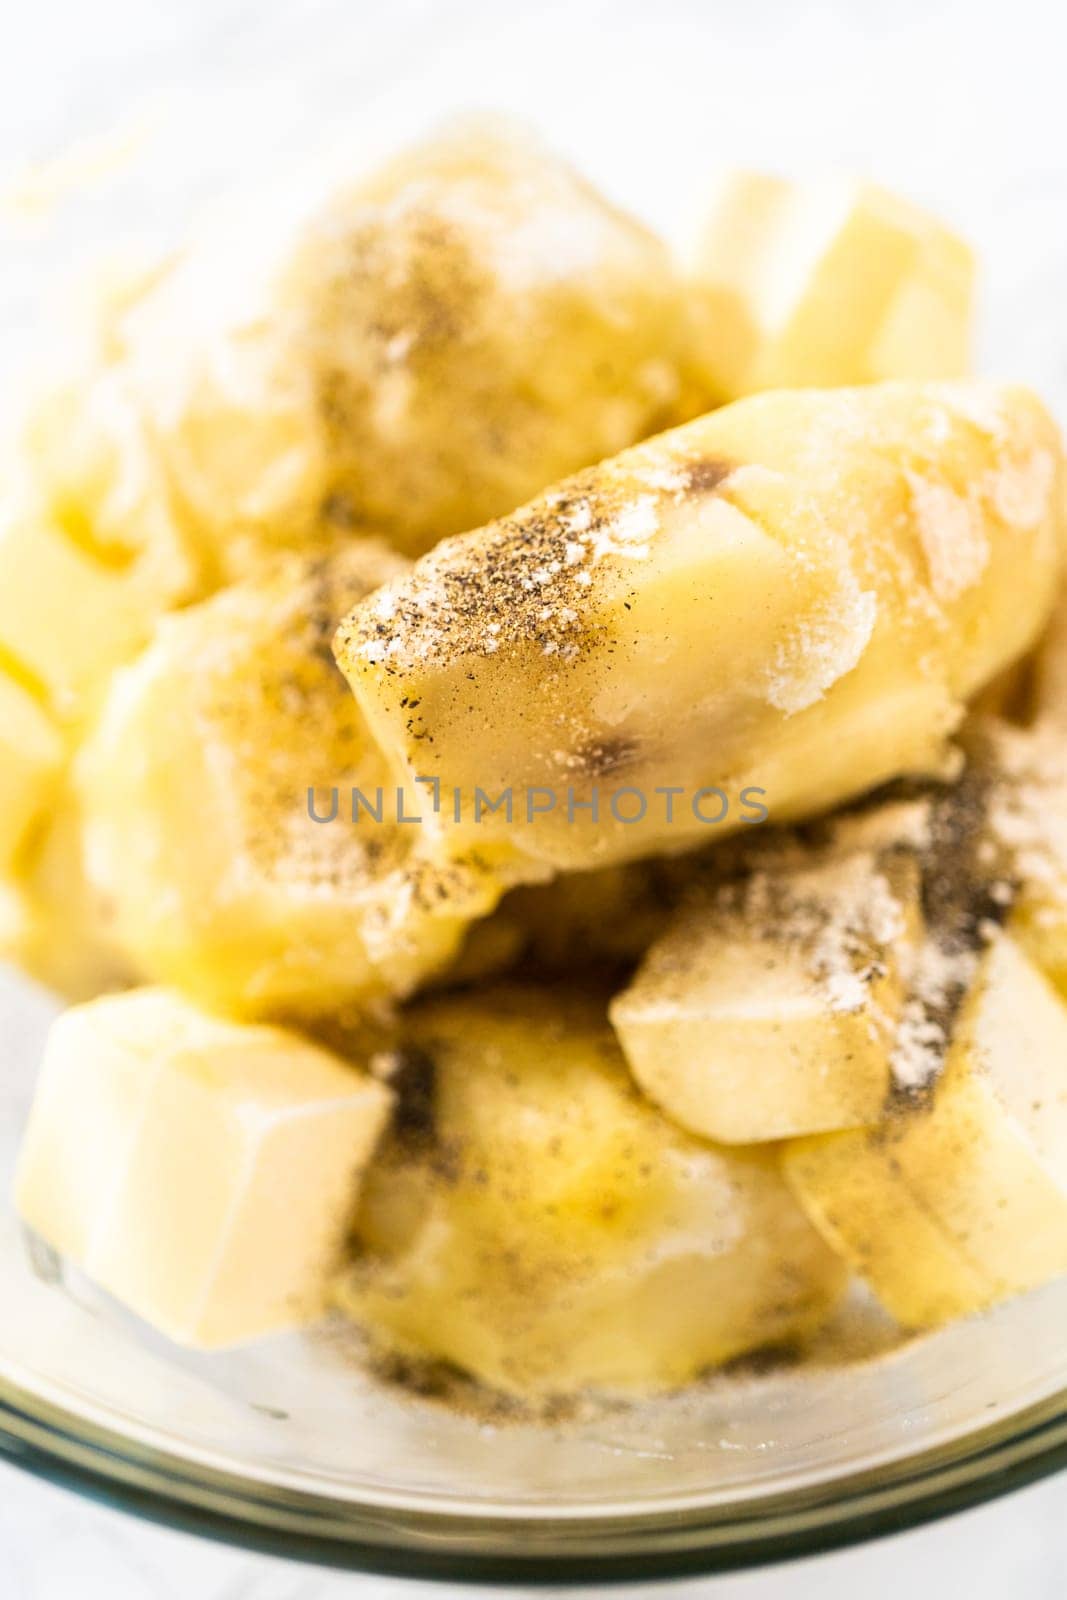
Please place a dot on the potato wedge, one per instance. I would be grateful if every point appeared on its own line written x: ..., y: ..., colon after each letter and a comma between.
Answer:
x: 202, y: 1171
x: 773, y: 609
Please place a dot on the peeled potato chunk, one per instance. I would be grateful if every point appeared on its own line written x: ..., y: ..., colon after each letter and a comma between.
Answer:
x: 768, y: 1008
x: 959, y: 1200
x: 417, y: 350
x: 826, y: 283
x: 31, y: 756
x: 771, y: 609
x: 217, y: 751
x: 537, y: 1224
x: 64, y: 935
x: 69, y: 614
x: 201, y: 1171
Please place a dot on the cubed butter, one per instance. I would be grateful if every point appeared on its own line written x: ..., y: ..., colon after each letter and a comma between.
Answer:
x: 200, y: 1170
x: 826, y: 283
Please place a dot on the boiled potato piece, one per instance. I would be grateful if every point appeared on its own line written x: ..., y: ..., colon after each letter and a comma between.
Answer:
x: 31, y: 756
x: 768, y: 1008
x: 959, y: 1200
x: 68, y: 618
x: 1049, y: 679
x: 202, y: 1171
x: 64, y: 935
x: 417, y: 351
x: 826, y: 283
x: 786, y: 601
x: 539, y: 1225
x: 198, y: 828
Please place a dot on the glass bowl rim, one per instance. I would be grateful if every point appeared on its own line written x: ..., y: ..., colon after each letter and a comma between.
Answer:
x: 73, y: 1452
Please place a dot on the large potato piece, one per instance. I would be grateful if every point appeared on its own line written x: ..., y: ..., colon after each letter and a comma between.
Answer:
x: 768, y: 1007
x: 788, y: 601
x: 539, y: 1225
x: 194, y: 791
x: 416, y: 352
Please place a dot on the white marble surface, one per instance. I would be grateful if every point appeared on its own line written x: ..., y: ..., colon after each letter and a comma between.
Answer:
x: 959, y: 102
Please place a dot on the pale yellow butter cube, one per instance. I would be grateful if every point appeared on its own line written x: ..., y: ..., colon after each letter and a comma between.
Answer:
x: 960, y: 1200
x: 830, y: 282
x: 31, y: 753
x: 198, y: 831
x: 64, y: 936
x: 202, y: 1171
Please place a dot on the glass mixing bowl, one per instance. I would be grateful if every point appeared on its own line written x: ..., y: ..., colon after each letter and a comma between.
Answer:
x: 288, y: 1446
x: 291, y: 1446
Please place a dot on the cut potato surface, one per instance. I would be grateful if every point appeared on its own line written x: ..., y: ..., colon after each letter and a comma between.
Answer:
x: 416, y: 351
x: 959, y: 1200
x: 199, y: 831
x: 539, y: 1225
x: 201, y: 1171
x: 826, y: 283
x: 768, y: 1008
x: 774, y: 608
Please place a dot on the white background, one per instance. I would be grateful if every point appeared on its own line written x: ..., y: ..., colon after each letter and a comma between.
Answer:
x: 961, y: 105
